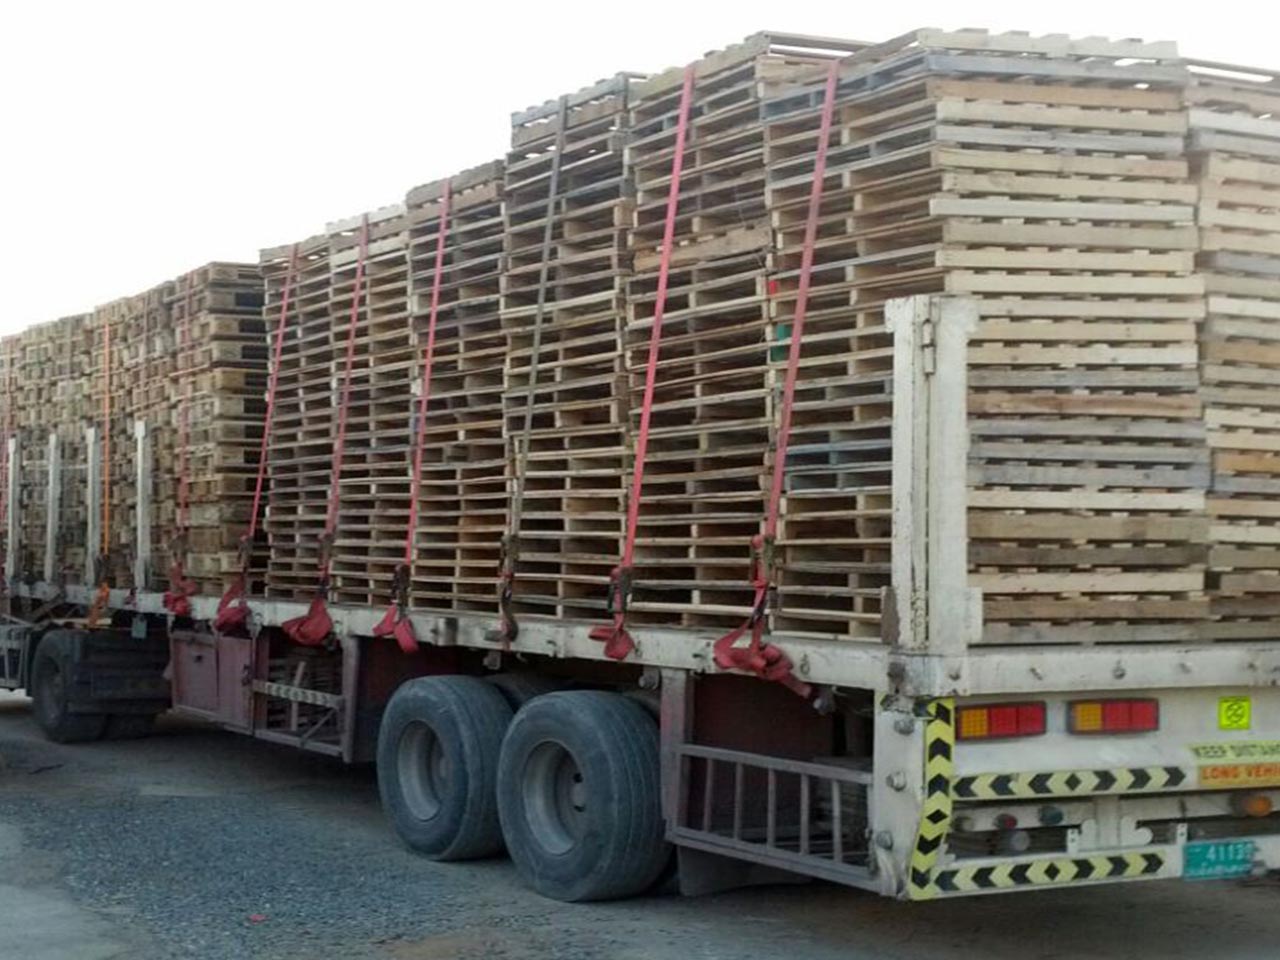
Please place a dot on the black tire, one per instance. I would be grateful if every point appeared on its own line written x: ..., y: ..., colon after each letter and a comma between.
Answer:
x: 519, y: 688
x: 129, y: 726
x: 438, y: 752
x: 51, y: 669
x: 579, y: 796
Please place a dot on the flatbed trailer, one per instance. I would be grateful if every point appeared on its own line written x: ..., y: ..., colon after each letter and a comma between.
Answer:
x: 949, y: 742
x: 913, y: 806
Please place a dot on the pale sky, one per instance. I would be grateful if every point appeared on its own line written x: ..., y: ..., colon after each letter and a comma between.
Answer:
x: 138, y: 140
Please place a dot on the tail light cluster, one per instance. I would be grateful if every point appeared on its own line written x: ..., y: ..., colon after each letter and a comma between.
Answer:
x: 1113, y: 716
x: 999, y: 721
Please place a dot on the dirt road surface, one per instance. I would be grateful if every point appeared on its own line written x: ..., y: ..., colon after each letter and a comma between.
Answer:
x: 198, y: 843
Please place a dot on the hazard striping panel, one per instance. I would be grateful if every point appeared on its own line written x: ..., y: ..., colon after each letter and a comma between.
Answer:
x: 1049, y: 872
x: 1069, y: 783
x: 935, y: 812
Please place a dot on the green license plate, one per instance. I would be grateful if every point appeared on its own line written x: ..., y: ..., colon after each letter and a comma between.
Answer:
x: 1218, y: 860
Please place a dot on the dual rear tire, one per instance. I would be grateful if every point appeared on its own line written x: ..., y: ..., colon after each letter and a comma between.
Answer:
x: 568, y: 783
x: 59, y: 712
x: 52, y: 686
x: 437, y: 765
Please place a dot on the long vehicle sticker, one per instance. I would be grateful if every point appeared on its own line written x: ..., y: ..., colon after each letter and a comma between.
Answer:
x: 1225, y: 776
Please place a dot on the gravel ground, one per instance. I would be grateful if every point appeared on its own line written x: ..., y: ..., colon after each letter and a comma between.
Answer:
x: 198, y: 843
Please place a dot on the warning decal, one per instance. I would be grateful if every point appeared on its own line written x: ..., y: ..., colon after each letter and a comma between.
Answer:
x: 1234, y: 713
x: 935, y: 812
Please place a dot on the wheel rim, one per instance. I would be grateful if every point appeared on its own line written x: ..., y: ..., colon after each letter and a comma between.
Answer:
x: 424, y: 770
x: 555, y: 798
x: 52, y: 687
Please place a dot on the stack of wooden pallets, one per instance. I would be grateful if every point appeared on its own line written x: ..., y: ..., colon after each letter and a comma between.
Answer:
x: 301, y: 450
x: 463, y: 500
x: 21, y: 416
x: 139, y: 355
x: 219, y: 375
x: 1235, y: 153
x: 115, y: 372
x: 577, y: 462
x: 50, y: 399
x: 1046, y: 178
x: 367, y: 545
x: 27, y: 396
x: 1114, y: 211
x: 714, y: 409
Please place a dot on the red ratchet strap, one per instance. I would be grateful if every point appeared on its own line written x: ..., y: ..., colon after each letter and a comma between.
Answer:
x: 314, y: 627
x: 177, y: 599
x: 396, y: 622
x: 758, y: 656
x: 233, y: 608
x: 618, y: 642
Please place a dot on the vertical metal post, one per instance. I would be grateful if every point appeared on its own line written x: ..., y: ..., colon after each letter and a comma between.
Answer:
x: 912, y: 363
x: 93, y: 505
x: 142, y: 480
x: 934, y: 609
x: 53, y: 509
x: 955, y: 611
x: 11, y: 513
x: 675, y: 725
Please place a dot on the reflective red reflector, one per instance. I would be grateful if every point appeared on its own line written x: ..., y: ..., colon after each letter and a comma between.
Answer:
x: 1113, y: 716
x: 1000, y: 720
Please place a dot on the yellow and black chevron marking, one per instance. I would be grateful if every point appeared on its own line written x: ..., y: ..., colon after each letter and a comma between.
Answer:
x: 1068, y: 783
x: 1038, y: 873
x: 935, y: 813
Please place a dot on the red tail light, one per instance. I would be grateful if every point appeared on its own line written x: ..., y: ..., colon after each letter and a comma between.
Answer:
x: 1134, y: 715
x: 996, y: 721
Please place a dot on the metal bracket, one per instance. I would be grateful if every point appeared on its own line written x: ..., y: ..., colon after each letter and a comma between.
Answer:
x: 142, y: 543
x: 53, y: 509
x: 93, y: 504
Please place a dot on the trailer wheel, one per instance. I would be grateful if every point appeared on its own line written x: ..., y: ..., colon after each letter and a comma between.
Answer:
x: 129, y: 726
x: 521, y: 687
x: 438, y: 749
x: 578, y: 793
x: 50, y: 692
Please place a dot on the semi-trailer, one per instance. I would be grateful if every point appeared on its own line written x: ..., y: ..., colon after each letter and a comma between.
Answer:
x: 837, y: 459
